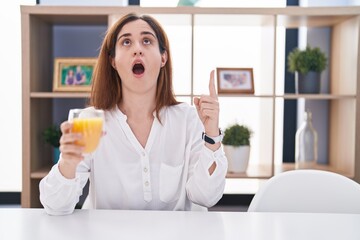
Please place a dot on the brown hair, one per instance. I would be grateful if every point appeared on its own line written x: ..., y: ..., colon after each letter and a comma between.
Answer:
x: 106, y: 90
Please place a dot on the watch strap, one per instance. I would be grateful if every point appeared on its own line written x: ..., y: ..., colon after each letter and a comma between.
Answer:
x: 212, y: 140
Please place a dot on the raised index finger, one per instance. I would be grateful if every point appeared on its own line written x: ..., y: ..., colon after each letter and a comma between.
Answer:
x: 212, y: 89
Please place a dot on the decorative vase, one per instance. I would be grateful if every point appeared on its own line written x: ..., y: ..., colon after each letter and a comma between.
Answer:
x: 306, y: 138
x: 238, y: 158
x: 56, y: 155
x: 307, y: 83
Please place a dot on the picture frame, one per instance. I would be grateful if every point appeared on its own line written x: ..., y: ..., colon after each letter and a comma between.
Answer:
x: 235, y: 80
x: 73, y: 74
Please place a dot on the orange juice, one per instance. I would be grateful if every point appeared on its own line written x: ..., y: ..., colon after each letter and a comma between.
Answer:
x: 91, y: 130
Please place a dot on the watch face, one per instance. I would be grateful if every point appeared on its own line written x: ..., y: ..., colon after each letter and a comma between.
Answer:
x: 209, y: 140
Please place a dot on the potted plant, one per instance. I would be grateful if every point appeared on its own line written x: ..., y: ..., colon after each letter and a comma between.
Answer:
x: 236, y: 143
x: 52, y: 136
x: 307, y: 65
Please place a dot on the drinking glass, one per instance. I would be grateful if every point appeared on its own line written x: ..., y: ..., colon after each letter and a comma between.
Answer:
x: 88, y: 122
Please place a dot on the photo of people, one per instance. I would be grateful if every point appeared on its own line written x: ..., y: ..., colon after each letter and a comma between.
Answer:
x: 235, y: 80
x: 73, y: 74
x: 77, y: 75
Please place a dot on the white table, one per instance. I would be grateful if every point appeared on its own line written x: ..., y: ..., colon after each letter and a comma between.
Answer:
x: 125, y: 225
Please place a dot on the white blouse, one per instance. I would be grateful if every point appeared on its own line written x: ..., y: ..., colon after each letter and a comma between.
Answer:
x: 170, y: 173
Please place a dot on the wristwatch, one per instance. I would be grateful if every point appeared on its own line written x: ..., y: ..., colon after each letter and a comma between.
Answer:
x: 213, y: 140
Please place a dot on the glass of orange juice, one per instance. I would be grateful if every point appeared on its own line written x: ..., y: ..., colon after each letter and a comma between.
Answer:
x: 88, y: 122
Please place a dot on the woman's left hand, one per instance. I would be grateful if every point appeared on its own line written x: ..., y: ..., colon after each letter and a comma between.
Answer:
x: 207, y: 107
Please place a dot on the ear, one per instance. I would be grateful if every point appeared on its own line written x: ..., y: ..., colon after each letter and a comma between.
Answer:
x: 112, y: 60
x: 164, y: 58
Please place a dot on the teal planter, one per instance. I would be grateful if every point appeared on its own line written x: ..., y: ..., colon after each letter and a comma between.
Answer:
x: 56, y: 155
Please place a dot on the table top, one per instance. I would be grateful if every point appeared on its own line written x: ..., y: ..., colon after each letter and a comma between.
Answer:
x: 118, y: 224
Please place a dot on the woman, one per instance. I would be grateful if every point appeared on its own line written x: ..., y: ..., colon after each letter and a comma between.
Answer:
x: 153, y: 155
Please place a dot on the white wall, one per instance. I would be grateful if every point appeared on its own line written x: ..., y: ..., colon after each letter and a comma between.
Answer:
x: 10, y: 95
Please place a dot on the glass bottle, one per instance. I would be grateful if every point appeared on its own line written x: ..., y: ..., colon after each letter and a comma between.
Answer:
x: 306, y: 138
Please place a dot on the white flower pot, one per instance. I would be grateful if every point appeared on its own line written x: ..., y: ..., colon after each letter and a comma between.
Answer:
x: 238, y: 158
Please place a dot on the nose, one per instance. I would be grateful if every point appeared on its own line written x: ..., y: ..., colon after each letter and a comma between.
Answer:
x: 138, y: 53
x: 137, y: 50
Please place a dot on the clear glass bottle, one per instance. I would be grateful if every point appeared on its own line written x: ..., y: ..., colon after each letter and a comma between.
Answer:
x: 306, y: 152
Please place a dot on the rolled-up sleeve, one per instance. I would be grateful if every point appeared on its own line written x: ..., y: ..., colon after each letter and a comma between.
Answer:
x: 201, y: 187
x: 58, y: 194
x: 205, y: 189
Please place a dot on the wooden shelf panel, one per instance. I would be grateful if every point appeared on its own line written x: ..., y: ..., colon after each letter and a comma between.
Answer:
x: 310, y: 21
x: 262, y: 172
x: 108, y: 10
x: 291, y: 166
x: 316, y: 96
x: 84, y: 95
x: 87, y: 95
x: 285, y: 96
x: 59, y: 95
x: 293, y: 96
x: 40, y: 173
x: 265, y: 171
x: 253, y: 171
x: 245, y: 95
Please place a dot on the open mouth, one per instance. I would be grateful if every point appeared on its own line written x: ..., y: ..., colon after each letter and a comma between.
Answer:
x: 138, y: 69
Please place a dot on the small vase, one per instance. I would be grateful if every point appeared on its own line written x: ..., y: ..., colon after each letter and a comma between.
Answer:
x: 56, y: 155
x: 307, y: 83
x: 306, y: 138
x: 238, y: 158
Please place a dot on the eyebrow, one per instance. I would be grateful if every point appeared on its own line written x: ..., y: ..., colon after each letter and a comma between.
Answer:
x: 142, y: 33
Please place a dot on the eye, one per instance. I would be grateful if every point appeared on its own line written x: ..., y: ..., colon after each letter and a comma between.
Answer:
x: 126, y: 42
x: 146, y: 41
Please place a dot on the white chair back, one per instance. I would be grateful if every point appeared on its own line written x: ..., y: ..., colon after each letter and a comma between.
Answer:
x: 307, y: 191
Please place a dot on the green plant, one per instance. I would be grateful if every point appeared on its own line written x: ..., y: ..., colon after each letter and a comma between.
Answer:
x: 237, y: 135
x: 304, y: 61
x: 52, y: 135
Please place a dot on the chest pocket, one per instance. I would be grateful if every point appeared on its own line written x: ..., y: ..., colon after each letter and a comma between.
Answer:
x: 170, y: 182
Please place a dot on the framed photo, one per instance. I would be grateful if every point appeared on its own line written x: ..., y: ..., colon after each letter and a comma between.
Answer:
x: 73, y: 74
x: 235, y: 80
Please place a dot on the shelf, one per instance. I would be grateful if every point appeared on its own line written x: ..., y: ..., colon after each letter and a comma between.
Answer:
x: 44, y: 37
x: 310, y: 21
x: 291, y: 166
x: 286, y: 96
x: 59, y: 95
x: 293, y: 96
x: 79, y: 95
x: 253, y: 171
x: 41, y: 173
x: 316, y: 96
x: 245, y: 95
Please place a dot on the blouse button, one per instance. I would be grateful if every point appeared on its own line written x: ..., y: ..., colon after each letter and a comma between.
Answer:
x: 147, y: 183
x: 145, y: 169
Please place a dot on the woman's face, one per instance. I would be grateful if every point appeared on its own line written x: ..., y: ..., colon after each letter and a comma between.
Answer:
x: 137, y: 58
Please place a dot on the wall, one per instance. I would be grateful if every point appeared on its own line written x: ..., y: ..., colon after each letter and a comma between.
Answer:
x: 10, y: 95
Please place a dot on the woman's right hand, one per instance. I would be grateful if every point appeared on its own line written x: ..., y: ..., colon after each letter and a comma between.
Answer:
x: 71, y: 154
